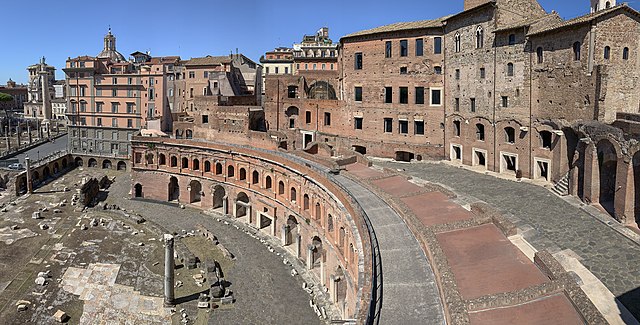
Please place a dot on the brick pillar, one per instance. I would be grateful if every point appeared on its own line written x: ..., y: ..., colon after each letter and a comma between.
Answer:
x: 625, y: 196
x: 591, y: 174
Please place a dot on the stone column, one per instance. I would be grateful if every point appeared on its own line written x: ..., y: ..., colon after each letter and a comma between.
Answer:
x: 8, y: 137
x: 333, y: 286
x: 27, y: 161
x: 18, y: 134
x: 322, y: 271
x: 29, y: 131
x: 225, y: 209
x: 169, y: 267
x: 283, y: 235
x: 310, y: 256
x: 298, y: 245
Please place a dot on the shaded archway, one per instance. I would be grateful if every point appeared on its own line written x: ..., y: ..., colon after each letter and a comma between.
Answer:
x: 316, y: 251
x: 340, y: 286
x: 106, y: 164
x: 137, y: 189
x: 93, y: 162
x: 242, y: 204
x: 64, y: 163
x: 122, y: 165
x: 78, y: 162
x: 46, y: 173
x: 218, y: 197
x: 290, y: 229
x: 243, y: 174
x: 404, y: 156
x: 195, y: 191
x: 56, y: 168
x: 174, y: 189
x: 230, y: 171
x: 36, y: 177
x: 322, y: 90
x: 607, y: 168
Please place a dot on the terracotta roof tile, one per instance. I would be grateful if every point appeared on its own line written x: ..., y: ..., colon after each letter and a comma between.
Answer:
x: 550, y: 26
x: 399, y: 27
x: 208, y: 60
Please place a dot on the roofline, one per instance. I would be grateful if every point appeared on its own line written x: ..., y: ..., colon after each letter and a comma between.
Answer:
x: 343, y: 38
x: 622, y: 6
x: 486, y: 4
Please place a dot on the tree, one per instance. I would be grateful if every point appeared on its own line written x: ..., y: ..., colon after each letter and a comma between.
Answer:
x: 5, y: 97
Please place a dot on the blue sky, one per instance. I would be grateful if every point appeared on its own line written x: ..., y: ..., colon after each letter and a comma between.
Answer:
x: 61, y: 29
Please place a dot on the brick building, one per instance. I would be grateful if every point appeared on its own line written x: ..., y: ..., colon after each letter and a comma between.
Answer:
x: 19, y: 94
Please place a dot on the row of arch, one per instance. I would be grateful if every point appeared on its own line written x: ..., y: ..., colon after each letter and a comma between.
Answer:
x: 508, y: 132
x: 104, y: 164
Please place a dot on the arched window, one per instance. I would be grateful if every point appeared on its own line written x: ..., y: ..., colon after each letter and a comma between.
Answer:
x: 510, y: 134
x: 305, y: 202
x: 512, y: 39
x: 456, y: 128
x: 230, y: 171
x: 243, y: 174
x: 218, y: 169
x: 174, y: 161
x: 207, y: 166
x: 456, y: 40
x: 545, y: 139
x: 196, y: 164
x: 625, y: 53
x: 510, y: 69
x: 293, y: 195
x: 576, y: 51
x: 540, y: 54
x: 267, y: 182
x: 185, y: 163
x: 255, y: 177
x: 479, y: 37
x: 318, y: 212
x: 330, y: 223
x: 162, y: 159
x: 480, y: 132
x: 281, y: 188
x: 341, y: 236
x: 608, y: 5
x: 607, y: 52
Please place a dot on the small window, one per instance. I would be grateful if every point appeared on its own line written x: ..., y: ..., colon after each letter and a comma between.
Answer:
x: 625, y: 53
x: 388, y: 125
x: 480, y: 132
x: 404, y: 95
x: 418, y: 127
x: 607, y: 52
x: 545, y: 139
x: 292, y: 91
x: 512, y: 39
x: 419, y: 95
x: 456, y: 39
x: 404, y: 48
x: 307, y: 117
x: 576, y: 51
x: 479, y: 37
x: 358, y: 61
x: 327, y: 118
x: 510, y: 135
x: 419, y: 47
x: 205, y: 119
x: 403, y: 126
x: 387, y: 49
x: 403, y: 70
x: 482, y: 73
x: 505, y: 101
x: 456, y: 128
x: 540, y: 54
x: 358, y: 94
x: 473, y: 105
x: 357, y: 123
x: 436, y: 97
x: 437, y: 70
x: 437, y: 45
x: 510, y: 69
x: 388, y: 95
x: 456, y: 104
x: 457, y: 74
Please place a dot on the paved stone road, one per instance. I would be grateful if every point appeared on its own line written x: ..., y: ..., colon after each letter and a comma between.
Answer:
x: 409, y: 291
x: 557, y: 225
x: 264, y: 290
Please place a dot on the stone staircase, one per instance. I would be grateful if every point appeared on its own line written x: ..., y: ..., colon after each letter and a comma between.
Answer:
x: 562, y: 186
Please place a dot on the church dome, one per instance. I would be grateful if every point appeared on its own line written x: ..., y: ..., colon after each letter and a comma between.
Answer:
x: 109, y: 51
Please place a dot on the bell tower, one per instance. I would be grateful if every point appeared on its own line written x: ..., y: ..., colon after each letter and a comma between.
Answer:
x: 597, y: 5
x: 109, y: 41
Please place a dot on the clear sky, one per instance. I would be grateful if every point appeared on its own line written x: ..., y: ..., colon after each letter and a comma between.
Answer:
x: 70, y: 28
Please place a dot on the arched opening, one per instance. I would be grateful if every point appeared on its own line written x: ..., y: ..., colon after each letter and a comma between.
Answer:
x: 267, y: 182
x: 137, y: 189
x: 64, y: 163
x: 185, y: 163
x: 341, y: 286
x: 106, y: 164
x: 78, y: 161
x: 316, y: 256
x: 56, y: 167
x: 178, y: 134
x: 195, y: 191
x: 46, y: 173
x: 293, y: 195
x: 341, y: 238
x: 576, y: 51
x: 305, y: 202
x: 242, y: 204
x: 22, y: 185
x: 607, y: 167
x: 255, y: 177
x: 162, y: 159
x: 36, y: 177
x: 218, y: 169
x: 93, y: 163
x: 196, y: 164
x: 318, y: 212
x: 290, y: 229
x: 322, y: 90
x: 122, y: 165
x: 149, y: 157
x: 607, y: 52
x: 509, y: 135
x: 207, y: 166
x: 540, y: 54
x: 280, y: 188
x: 404, y: 156
x: 174, y: 161
x: 292, y: 115
x: 218, y: 197
x: 479, y: 37
x: 329, y: 223
x: 230, y: 171
x: 510, y: 69
x: 243, y: 174
x: 360, y: 149
x: 189, y: 134
x: 174, y: 189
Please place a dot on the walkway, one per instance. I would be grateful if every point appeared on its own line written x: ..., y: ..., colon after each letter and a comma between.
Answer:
x: 554, y: 224
x: 410, y: 294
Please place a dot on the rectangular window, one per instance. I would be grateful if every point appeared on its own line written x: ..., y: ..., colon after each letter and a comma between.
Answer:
x: 98, y: 91
x: 418, y: 127
x: 404, y: 48
x: 99, y: 107
x: 456, y: 105
x: 419, y: 95
x: 358, y: 61
x: 327, y: 118
x: 358, y: 92
x: 307, y: 117
x: 388, y: 125
x: 277, y: 70
x: 404, y: 95
x: 205, y: 119
x: 457, y: 74
x: 114, y: 93
x: 83, y: 91
x: 473, y: 105
x: 130, y: 108
x: 114, y: 122
x: 482, y: 73
x: 129, y: 123
x: 83, y: 106
x: 403, y: 70
x: 129, y: 81
x: 114, y: 80
x: 419, y: 47
x: 83, y: 121
x: 437, y: 70
x: 388, y: 95
x: 205, y: 74
x: 437, y: 45
x: 505, y: 101
x: 357, y: 123
x: 114, y: 107
x: 73, y: 90
x: 403, y: 126
x: 436, y: 97
x: 267, y: 70
x: 99, y: 121
x: 192, y: 74
x: 286, y: 70
x: 292, y: 91
x: 387, y: 49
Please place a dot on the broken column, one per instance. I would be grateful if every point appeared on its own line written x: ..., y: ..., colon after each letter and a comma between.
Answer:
x: 27, y: 162
x: 169, y: 267
x: 310, y: 249
x: 285, y: 231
